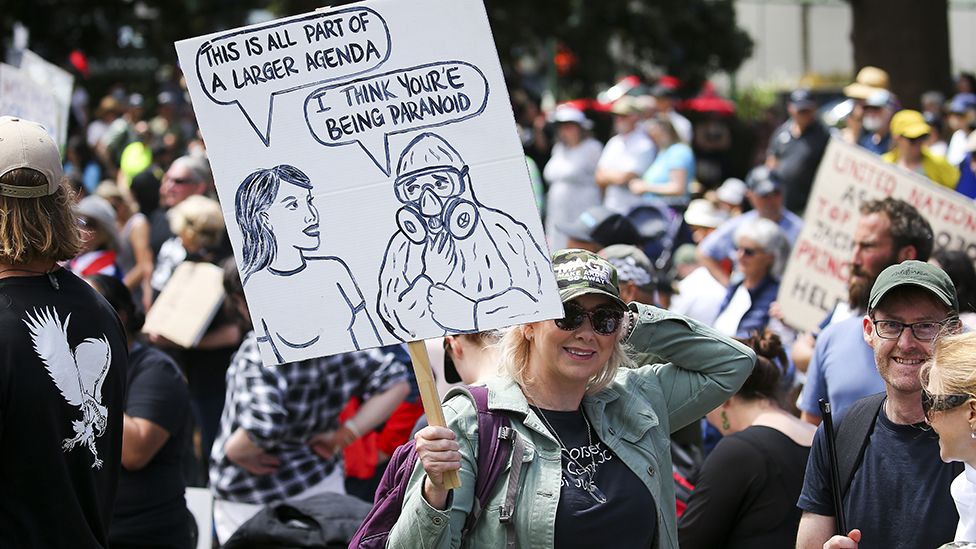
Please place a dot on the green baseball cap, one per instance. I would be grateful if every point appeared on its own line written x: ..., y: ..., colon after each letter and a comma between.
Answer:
x: 579, y: 272
x: 914, y: 273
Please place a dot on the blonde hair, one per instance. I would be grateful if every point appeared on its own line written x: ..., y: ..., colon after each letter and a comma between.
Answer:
x: 37, y: 228
x: 955, y: 355
x: 514, y: 350
x: 198, y: 221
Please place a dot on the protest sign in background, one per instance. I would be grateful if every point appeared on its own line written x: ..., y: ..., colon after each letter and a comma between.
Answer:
x: 816, y: 275
x: 57, y: 81
x: 373, y: 183
x: 22, y: 97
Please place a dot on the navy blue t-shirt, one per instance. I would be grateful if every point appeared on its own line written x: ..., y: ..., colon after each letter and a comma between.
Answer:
x: 899, y: 496
x: 629, y: 516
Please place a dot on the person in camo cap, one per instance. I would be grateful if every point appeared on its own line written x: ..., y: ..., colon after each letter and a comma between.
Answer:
x: 594, y: 416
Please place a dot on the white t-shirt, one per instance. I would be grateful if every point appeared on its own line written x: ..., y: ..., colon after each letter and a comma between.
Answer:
x: 728, y: 320
x: 630, y: 152
x: 963, y: 491
x: 699, y: 296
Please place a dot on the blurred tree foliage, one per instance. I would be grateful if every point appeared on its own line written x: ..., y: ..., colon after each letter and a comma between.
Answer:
x: 598, y: 41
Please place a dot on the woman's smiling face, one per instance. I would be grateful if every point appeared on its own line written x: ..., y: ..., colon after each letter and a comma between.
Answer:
x: 294, y: 219
x: 571, y: 356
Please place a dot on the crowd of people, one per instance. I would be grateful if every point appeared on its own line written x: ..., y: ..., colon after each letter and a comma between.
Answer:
x: 672, y: 405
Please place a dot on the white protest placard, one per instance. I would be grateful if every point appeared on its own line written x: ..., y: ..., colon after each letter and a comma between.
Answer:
x: 57, y: 81
x: 817, y: 273
x: 373, y: 183
x: 20, y: 96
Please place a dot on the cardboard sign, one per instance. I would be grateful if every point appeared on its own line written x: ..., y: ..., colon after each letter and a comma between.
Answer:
x: 57, y: 81
x: 816, y: 275
x: 22, y: 97
x: 373, y: 183
x: 184, y: 309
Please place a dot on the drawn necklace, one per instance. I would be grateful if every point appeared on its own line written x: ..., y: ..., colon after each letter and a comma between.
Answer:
x: 590, y: 486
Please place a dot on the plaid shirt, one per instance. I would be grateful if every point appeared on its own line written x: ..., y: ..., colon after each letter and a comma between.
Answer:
x: 282, y: 407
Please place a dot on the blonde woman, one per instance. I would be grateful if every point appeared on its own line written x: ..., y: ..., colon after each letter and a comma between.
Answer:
x: 949, y: 403
x: 597, y: 464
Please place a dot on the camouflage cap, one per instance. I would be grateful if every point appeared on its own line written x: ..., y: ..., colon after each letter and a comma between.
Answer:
x: 579, y: 272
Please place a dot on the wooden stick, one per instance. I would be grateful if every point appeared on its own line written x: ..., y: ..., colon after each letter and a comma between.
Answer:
x: 428, y: 394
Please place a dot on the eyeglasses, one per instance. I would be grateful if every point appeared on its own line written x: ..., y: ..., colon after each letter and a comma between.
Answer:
x: 748, y: 252
x: 86, y: 223
x: 604, y: 320
x: 941, y: 403
x: 180, y: 180
x: 923, y: 331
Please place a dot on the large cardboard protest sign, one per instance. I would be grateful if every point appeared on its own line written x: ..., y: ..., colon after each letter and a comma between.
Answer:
x: 373, y: 184
x: 816, y: 275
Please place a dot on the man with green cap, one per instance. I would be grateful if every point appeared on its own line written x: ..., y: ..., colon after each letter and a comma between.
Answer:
x: 897, y: 493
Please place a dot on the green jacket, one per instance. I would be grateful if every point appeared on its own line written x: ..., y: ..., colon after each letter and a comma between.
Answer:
x: 687, y: 370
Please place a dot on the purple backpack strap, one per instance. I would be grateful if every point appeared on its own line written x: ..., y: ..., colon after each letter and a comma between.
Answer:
x: 496, y: 440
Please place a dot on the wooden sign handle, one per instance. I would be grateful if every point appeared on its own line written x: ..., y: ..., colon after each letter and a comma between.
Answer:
x: 430, y: 398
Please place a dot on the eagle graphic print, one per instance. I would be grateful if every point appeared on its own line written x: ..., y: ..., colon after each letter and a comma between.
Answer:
x: 78, y: 374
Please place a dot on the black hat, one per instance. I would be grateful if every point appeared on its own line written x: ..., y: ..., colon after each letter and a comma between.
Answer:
x: 602, y: 226
x: 762, y: 181
x: 801, y: 100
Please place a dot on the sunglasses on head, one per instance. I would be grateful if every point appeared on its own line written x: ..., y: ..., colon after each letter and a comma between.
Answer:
x: 604, y: 320
x: 940, y: 403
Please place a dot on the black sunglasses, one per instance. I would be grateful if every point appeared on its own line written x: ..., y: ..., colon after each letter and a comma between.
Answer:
x: 604, y: 320
x: 940, y: 403
x: 748, y: 252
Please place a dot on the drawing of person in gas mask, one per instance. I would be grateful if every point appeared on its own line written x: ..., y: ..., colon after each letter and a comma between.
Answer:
x: 454, y: 265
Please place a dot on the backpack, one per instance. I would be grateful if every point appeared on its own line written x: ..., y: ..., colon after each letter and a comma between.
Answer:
x: 494, y: 430
x: 324, y: 521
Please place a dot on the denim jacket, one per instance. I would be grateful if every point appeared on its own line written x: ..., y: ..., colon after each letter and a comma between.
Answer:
x: 686, y: 370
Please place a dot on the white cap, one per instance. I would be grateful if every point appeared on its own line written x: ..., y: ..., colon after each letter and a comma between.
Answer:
x: 702, y: 213
x: 732, y: 191
x: 568, y: 113
x: 25, y: 144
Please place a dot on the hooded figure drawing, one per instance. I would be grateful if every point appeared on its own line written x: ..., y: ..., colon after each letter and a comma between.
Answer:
x: 454, y: 265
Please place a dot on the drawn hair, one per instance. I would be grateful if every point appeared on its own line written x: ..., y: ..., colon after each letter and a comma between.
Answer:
x: 254, y: 197
x: 37, y: 228
x: 514, y: 350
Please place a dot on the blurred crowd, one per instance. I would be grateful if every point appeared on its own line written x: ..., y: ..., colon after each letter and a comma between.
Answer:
x: 693, y: 222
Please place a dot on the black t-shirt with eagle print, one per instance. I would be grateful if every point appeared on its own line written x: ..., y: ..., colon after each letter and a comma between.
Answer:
x: 63, y: 359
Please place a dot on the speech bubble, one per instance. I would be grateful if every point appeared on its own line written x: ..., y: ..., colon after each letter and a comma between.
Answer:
x: 249, y: 67
x: 369, y: 110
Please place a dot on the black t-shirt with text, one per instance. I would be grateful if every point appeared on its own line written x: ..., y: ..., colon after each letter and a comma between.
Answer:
x: 62, y: 380
x: 629, y: 516
x: 150, y: 507
x: 899, y: 496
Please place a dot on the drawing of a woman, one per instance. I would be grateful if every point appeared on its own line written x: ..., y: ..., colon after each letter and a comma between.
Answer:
x: 280, y: 228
